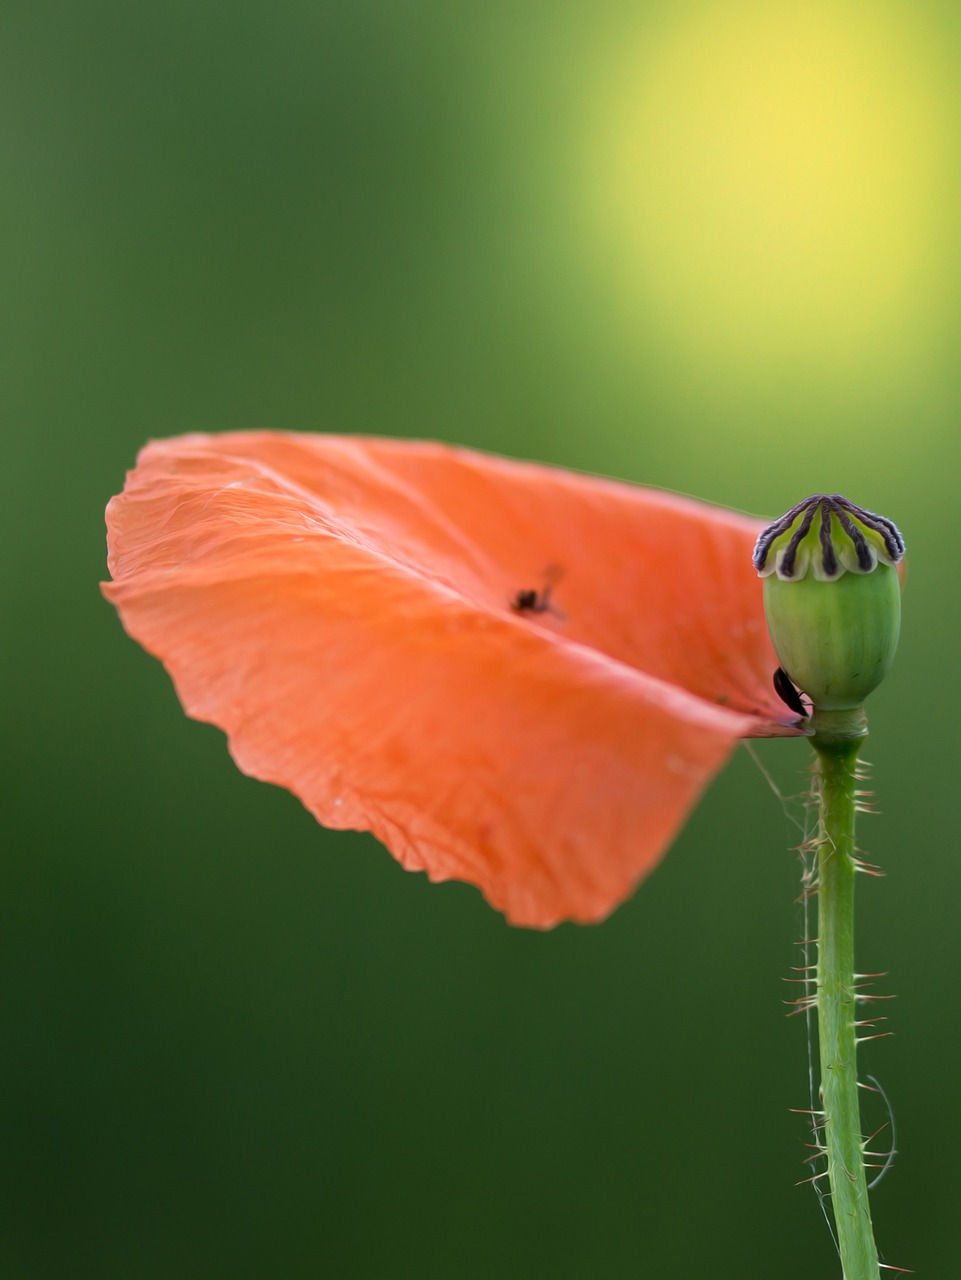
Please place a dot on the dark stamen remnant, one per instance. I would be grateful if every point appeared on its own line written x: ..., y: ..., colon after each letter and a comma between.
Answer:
x: 785, y: 690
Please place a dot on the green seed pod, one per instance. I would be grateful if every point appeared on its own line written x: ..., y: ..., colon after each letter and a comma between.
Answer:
x: 832, y: 598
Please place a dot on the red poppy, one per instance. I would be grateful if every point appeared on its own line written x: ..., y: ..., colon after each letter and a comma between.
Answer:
x: 511, y: 674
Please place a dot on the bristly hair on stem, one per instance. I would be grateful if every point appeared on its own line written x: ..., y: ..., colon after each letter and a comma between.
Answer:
x: 840, y: 990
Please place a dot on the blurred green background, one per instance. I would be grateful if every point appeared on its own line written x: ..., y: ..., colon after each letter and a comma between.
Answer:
x: 709, y: 246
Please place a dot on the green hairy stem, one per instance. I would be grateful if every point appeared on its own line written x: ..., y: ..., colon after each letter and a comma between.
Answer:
x: 837, y: 743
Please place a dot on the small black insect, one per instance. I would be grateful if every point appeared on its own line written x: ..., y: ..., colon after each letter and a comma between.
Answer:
x: 531, y: 600
x: 785, y: 690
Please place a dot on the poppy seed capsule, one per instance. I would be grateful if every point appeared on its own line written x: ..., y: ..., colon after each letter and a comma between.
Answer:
x: 832, y: 597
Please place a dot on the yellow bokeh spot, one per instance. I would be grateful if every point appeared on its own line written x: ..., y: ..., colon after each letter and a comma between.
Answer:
x: 762, y: 183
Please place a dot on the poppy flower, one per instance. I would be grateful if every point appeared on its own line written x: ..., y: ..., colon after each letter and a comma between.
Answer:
x: 511, y: 674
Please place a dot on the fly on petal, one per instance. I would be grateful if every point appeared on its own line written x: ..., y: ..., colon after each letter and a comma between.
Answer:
x: 511, y: 674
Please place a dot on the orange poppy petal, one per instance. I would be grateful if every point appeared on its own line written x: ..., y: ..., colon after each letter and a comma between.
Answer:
x: 342, y: 608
